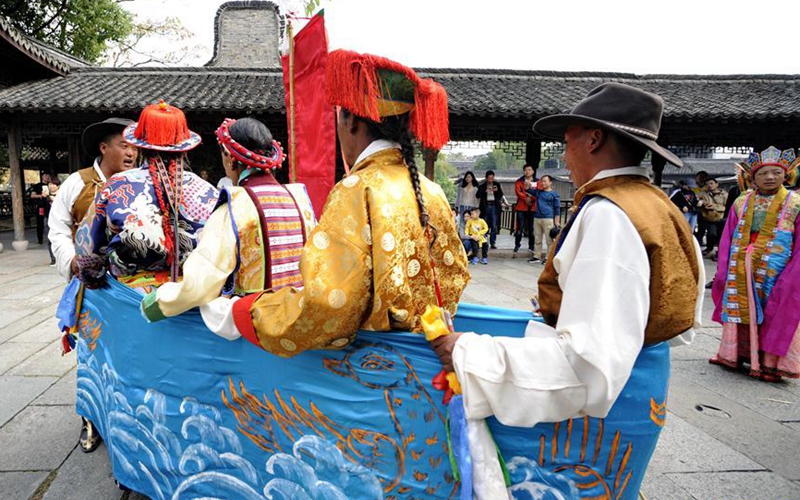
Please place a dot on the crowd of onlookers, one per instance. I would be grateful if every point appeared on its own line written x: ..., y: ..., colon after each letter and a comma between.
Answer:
x: 705, y: 207
x: 479, y: 205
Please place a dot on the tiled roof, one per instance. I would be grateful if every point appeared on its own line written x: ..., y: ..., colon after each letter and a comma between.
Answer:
x: 508, y: 93
x: 129, y: 89
x: 54, y: 59
x: 472, y: 92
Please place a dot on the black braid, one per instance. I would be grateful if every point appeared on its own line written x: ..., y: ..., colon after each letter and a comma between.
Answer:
x: 395, y: 128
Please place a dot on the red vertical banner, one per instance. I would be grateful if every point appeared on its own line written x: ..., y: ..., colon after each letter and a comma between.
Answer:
x: 310, y: 119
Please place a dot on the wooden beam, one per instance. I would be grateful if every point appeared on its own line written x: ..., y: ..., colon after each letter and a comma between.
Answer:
x: 430, y: 156
x: 17, y: 192
x: 73, y: 153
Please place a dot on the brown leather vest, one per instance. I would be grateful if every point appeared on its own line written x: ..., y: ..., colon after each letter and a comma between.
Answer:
x: 92, y: 183
x: 668, y: 241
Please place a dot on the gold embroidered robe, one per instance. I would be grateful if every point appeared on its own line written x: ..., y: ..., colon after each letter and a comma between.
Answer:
x: 366, y: 265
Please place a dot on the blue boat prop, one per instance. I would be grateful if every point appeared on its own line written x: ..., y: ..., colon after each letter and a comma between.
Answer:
x: 187, y: 415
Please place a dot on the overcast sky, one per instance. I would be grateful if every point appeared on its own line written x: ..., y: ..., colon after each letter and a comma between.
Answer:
x: 644, y: 37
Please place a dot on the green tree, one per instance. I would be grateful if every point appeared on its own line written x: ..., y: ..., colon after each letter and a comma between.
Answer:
x: 443, y: 174
x: 79, y: 27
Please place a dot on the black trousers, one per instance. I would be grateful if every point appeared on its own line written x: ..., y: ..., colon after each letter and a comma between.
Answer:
x: 484, y: 249
x: 41, y: 213
x: 524, y: 225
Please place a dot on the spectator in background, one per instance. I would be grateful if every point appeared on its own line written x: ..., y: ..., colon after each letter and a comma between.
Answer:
x: 461, y: 224
x: 204, y: 175
x: 545, y: 217
x: 526, y: 204
x: 712, y: 211
x: 700, y: 182
x: 490, y: 202
x: 686, y: 201
x: 40, y: 194
x: 476, y: 230
x: 52, y: 190
x: 466, y: 196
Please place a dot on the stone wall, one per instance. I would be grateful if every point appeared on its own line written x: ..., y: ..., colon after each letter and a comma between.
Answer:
x: 247, y: 35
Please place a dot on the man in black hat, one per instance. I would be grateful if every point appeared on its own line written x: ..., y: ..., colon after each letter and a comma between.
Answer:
x: 103, y: 141
x: 625, y: 273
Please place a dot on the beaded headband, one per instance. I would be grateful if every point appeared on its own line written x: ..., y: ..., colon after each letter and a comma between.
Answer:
x: 253, y: 159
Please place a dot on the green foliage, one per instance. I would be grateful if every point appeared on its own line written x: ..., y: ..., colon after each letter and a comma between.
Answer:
x: 79, y: 27
x: 443, y: 173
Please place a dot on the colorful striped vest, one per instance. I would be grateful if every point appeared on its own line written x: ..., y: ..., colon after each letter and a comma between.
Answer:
x: 272, y: 222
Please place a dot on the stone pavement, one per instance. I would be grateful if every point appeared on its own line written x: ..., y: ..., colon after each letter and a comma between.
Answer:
x: 727, y: 436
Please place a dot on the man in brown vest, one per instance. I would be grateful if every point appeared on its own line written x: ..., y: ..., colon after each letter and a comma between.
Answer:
x: 103, y: 141
x: 624, y: 273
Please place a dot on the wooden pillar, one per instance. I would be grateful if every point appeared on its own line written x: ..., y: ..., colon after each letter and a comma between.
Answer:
x: 533, y: 152
x: 73, y: 153
x: 658, y: 168
x: 17, y: 192
x: 430, y: 156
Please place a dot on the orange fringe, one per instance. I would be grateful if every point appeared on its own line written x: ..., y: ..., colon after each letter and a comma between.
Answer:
x: 352, y: 82
x: 162, y: 125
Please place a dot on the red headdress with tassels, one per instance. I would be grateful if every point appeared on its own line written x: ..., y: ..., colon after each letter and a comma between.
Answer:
x: 373, y: 87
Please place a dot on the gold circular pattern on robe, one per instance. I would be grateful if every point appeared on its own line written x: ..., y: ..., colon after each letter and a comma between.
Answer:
x: 413, y: 268
x: 301, y: 302
x: 387, y: 242
x: 387, y: 210
x: 350, y: 181
x: 378, y: 304
x: 366, y: 234
x: 340, y: 342
x: 322, y: 240
x: 288, y: 345
x: 448, y: 258
x: 368, y: 262
x: 337, y: 298
x: 396, y: 192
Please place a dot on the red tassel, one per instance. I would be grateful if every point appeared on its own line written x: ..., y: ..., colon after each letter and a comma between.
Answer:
x: 162, y: 125
x: 430, y: 121
x: 352, y: 82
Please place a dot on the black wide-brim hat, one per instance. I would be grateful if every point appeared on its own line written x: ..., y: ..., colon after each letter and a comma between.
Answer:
x: 96, y: 132
x: 621, y: 109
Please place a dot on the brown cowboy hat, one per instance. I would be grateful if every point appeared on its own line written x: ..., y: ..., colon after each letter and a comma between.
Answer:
x: 618, y: 108
x: 96, y: 132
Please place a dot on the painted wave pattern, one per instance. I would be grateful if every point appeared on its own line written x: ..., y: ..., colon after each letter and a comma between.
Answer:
x: 204, y: 460
x: 531, y: 482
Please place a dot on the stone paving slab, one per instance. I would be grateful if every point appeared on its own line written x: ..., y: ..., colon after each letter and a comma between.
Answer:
x: 14, y: 353
x: 683, y: 448
x: 60, y: 393
x: 44, y: 332
x: 769, y: 443
x: 774, y: 401
x: 25, y: 323
x: 20, y: 485
x: 737, y: 486
x: 657, y: 486
x: 18, y: 392
x: 46, y: 362
x: 38, y: 438
x: 94, y: 469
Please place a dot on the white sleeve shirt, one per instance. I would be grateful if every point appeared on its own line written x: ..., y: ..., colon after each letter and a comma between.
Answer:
x: 580, y: 366
x: 60, y: 221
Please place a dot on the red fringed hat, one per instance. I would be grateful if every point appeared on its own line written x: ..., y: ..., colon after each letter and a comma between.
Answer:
x: 373, y: 87
x: 163, y: 128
